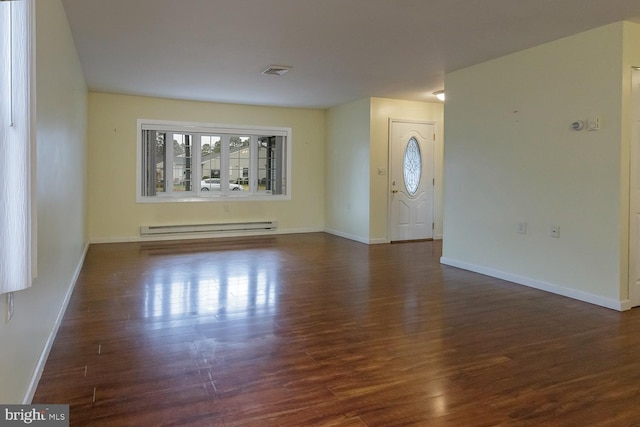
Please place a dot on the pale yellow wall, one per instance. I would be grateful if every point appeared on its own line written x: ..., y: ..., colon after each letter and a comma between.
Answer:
x: 383, y: 109
x: 113, y: 211
x: 347, y: 172
x: 510, y: 156
x: 60, y: 188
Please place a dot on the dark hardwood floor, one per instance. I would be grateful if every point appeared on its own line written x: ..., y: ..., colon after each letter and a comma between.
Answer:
x: 316, y: 330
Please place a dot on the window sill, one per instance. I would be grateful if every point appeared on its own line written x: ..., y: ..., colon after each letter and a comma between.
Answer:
x: 213, y: 199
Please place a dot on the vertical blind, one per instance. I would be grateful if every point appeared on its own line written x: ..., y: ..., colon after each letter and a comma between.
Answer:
x: 16, y: 260
x: 149, y: 158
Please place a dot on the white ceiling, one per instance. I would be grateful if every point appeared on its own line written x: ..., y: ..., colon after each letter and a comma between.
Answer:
x: 340, y: 50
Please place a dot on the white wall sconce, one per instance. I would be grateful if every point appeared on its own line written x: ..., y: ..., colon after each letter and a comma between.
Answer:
x: 439, y: 94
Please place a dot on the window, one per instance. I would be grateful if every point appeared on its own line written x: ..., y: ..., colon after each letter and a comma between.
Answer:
x: 412, y: 166
x: 17, y: 252
x: 180, y: 161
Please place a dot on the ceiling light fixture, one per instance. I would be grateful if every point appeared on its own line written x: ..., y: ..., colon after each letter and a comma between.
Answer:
x: 276, y: 70
x: 439, y: 94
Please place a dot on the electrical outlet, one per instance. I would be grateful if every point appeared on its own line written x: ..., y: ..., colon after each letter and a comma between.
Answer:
x: 555, y: 231
x: 521, y: 228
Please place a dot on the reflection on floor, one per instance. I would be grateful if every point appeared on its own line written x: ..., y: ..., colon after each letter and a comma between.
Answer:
x: 313, y: 329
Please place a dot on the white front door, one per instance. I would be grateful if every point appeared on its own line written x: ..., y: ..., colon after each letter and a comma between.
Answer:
x: 634, y: 220
x: 411, y: 180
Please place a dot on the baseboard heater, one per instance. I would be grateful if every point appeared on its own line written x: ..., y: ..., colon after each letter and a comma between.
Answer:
x: 167, y: 230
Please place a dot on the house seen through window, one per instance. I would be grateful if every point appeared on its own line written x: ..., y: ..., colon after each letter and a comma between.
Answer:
x: 183, y: 161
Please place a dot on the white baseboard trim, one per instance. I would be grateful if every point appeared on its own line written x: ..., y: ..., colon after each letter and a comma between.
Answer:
x: 132, y: 239
x: 347, y: 235
x: 543, y: 286
x: 372, y: 241
x: 37, y: 373
x: 378, y: 241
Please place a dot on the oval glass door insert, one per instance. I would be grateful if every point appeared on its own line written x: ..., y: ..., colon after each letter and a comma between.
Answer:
x: 412, y: 165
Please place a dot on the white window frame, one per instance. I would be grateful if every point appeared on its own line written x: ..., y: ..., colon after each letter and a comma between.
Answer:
x: 226, y: 131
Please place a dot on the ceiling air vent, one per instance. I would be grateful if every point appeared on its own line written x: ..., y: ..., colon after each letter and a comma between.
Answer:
x: 276, y: 70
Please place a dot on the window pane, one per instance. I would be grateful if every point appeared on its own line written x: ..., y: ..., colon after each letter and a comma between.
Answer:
x: 160, y: 161
x: 412, y: 164
x: 182, y: 162
x: 239, y: 162
x: 270, y: 164
x: 210, y: 163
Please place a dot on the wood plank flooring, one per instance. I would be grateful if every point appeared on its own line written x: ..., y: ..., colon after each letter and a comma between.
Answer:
x: 316, y: 330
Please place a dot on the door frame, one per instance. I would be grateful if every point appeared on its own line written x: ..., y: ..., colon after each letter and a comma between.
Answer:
x: 634, y: 203
x: 392, y: 121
